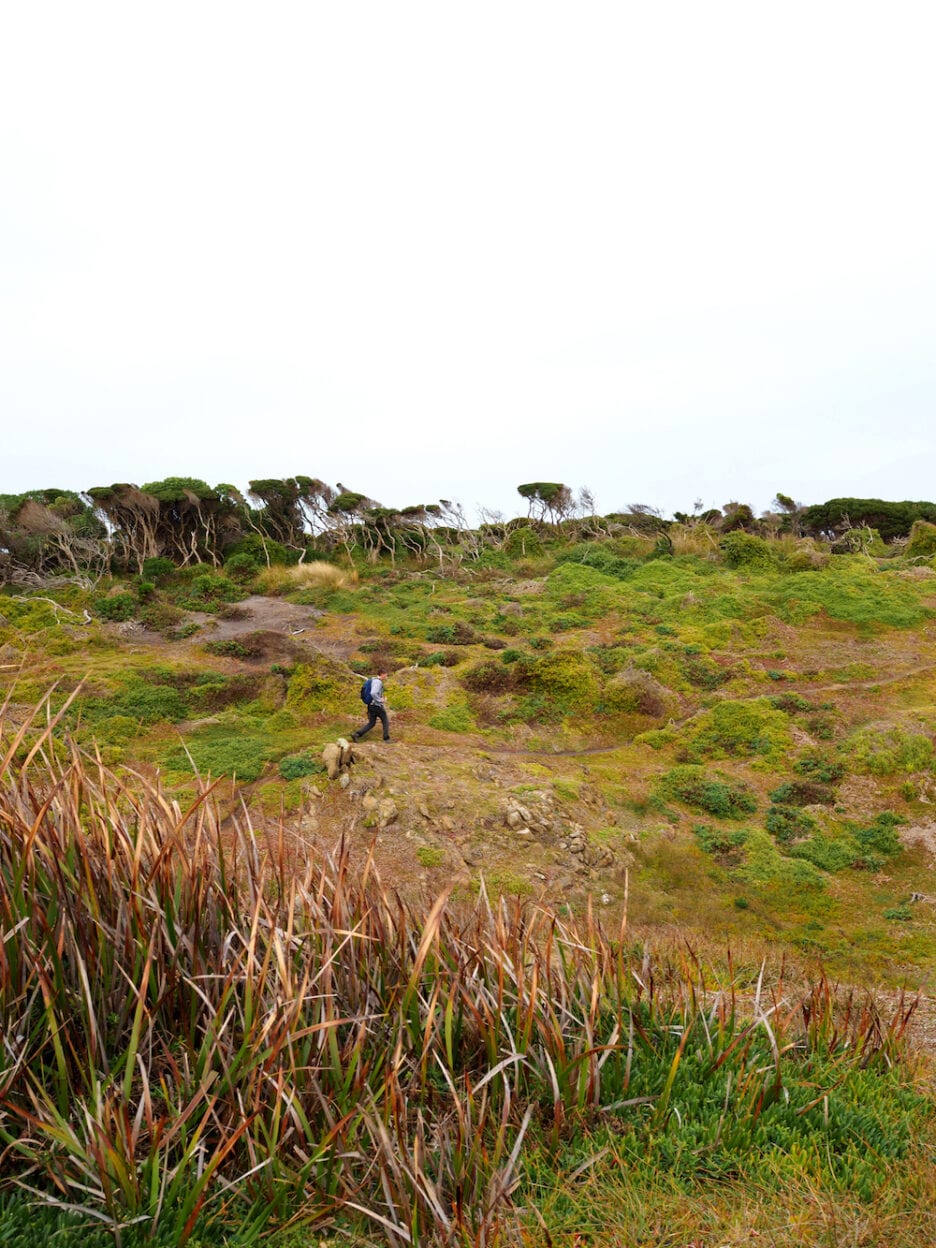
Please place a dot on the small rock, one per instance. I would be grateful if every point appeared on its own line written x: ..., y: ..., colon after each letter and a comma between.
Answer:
x: 606, y: 899
x: 387, y: 812
x: 514, y: 818
x: 447, y: 823
x: 524, y: 832
x: 369, y: 803
x: 344, y: 779
x: 424, y: 810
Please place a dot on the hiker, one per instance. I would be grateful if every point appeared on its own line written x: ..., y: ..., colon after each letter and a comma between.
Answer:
x: 372, y: 695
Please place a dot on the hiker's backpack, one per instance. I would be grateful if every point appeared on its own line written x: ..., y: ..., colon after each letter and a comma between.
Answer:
x: 366, y: 691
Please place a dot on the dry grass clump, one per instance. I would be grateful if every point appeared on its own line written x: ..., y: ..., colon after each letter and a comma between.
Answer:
x: 693, y: 539
x: 188, y: 1023
x: 278, y: 580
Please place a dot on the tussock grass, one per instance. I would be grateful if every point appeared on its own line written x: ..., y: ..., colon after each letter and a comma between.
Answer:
x: 278, y: 580
x: 195, y: 1024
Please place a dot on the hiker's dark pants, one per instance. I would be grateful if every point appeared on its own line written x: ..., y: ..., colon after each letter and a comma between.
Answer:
x: 373, y: 714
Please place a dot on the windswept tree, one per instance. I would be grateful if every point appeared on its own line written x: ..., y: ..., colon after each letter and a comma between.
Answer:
x: 891, y: 519
x: 133, y: 518
x: 737, y: 516
x: 547, y: 500
x: 347, y: 511
x: 314, y: 499
x: 196, y: 522
x: 279, y: 515
x: 49, y: 533
x: 788, y: 512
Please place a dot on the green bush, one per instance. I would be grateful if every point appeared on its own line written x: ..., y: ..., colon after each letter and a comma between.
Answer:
x: 490, y: 677
x: 456, y: 634
x: 601, y: 557
x: 297, y: 766
x: 922, y: 542
x: 718, y: 841
x: 880, y: 836
x: 739, y: 730
x: 716, y: 794
x: 816, y: 767
x: 789, y: 823
x: 236, y: 648
x: 158, y: 569
x: 890, y: 751
x: 803, y: 793
x: 203, y: 589
x: 704, y: 673
x: 226, y: 751
x: 115, y: 607
x: 567, y: 676
x: 441, y: 658
x: 753, y: 554
x: 522, y: 542
x: 159, y: 616
x: 317, y: 686
x: 456, y: 717
x: 243, y: 566
x: 899, y: 914
x: 827, y: 855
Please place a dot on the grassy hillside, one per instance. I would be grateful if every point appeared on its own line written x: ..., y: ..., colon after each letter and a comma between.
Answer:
x: 651, y: 748
x: 750, y: 750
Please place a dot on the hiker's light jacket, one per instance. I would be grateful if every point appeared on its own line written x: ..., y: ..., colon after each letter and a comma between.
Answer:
x: 377, y: 692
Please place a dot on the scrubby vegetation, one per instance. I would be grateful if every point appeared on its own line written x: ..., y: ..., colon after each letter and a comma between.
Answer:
x: 612, y: 734
x: 185, y: 1013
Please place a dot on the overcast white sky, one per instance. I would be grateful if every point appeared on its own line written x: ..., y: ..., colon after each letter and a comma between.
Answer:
x: 668, y: 251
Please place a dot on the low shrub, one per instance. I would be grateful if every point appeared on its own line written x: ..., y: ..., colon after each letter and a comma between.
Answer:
x: 236, y: 647
x: 703, y: 672
x: 159, y: 616
x: 243, y: 567
x: 511, y: 656
x: 456, y: 717
x: 753, y: 554
x: 158, y: 569
x: 441, y: 658
x: 889, y: 751
x: 922, y: 544
x: 567, y: 676
x: 298, y: 766
x: 880, y: 835
x: 819, y: 768
x: 457, y: 633
x: 825, y: 854
x: 319, y: 686
x: 207, y: 591
x: 115, y: 607
x: 789, y: 823
x: 716, y: 794
x: 718, y: 841
x: 739, y: 730
x: 224, y: 751
x: 489, y: 677
x: 803, y: 793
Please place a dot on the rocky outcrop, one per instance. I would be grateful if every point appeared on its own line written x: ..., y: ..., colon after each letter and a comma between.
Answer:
x: 338, y: 756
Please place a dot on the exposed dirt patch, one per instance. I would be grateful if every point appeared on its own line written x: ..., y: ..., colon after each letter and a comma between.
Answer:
x: 261, y: 614
x: 921, y: 834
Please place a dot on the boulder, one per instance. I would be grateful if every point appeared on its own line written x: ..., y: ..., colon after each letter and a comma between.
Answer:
x: 331, y: 757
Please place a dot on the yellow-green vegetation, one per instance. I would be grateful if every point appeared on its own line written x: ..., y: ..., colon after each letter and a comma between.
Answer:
x: 726, y: 737
x: 206, y: 1013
